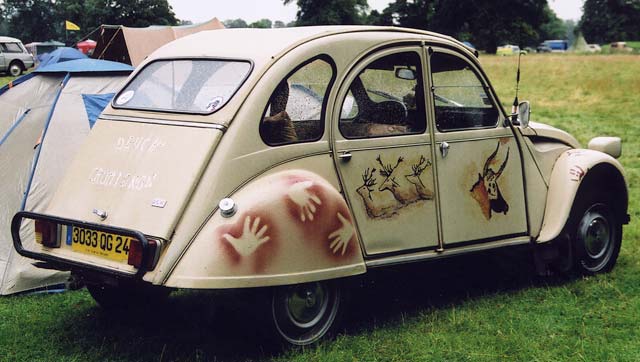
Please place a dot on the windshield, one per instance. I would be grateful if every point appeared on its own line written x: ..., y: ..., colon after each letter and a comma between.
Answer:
x: 191, y: 86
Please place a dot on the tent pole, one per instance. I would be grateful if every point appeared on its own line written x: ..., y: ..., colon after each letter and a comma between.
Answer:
x: 44, y: 134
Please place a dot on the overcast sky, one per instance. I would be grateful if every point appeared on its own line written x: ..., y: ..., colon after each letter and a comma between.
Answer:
x: 252, y: 10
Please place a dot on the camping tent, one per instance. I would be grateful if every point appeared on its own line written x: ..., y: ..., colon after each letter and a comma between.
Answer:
x: 44, y: 116
x: 131, y: 45
x: 63, y: 54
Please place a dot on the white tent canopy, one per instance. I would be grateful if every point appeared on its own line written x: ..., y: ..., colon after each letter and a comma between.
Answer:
x: 44, y: 116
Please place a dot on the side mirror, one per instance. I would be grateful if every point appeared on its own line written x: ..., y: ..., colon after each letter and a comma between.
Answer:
x: 524, y: 112
x: 405, y: 73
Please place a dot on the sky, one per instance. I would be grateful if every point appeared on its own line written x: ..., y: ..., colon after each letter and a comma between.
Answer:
x: 252, y: 10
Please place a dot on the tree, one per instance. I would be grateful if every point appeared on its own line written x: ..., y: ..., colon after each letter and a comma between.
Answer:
x: 235, y: 23
x: 37, y: 20
x: 486, y: 23
x: 554, y: 27
x: 262, y: 23
x: 611, y: 20
x: 26, y: 19
x: 330, y: 12
x: 279, y: 24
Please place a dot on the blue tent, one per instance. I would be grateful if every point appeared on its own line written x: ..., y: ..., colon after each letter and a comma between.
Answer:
x: 44, y: 116
x: 59, y: 55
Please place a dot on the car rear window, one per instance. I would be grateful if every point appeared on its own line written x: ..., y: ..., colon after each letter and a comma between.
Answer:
x: 185, y: 85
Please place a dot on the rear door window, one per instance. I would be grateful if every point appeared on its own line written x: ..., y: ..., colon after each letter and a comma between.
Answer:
x: 11, y: 48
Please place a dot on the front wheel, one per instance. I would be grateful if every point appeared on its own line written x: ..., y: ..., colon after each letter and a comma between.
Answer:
x: 597, y: 239
x: 303, y: 314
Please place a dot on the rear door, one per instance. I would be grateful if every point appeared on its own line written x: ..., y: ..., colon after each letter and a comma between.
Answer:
x: 384, y: 152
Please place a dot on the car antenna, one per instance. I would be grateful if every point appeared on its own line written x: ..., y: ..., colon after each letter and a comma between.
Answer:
x: 514, y: 108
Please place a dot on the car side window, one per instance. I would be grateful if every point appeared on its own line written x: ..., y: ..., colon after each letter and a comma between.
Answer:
x: 385, y: 99
x: 11, y: 48
x: 295, y: 112
x: 461, y: 99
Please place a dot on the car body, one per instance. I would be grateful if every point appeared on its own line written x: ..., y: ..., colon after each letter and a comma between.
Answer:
x: 510, y: 50
x: 14, y: 58
x: 556, y: 46
x: 311, y: 155
x: 620, y: 46
x: 543, y: 48
x: 593, y: 48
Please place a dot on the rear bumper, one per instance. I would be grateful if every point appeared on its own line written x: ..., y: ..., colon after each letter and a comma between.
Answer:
x: 74, y: 265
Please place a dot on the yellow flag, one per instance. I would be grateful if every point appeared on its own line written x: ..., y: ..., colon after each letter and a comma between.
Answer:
x: 70, y: 26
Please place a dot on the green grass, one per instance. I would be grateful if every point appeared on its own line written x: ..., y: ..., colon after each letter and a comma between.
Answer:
x: 5, y: 79
x: 489, y: 307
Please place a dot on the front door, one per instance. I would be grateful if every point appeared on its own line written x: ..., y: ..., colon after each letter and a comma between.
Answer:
x: 384, y: 153
x: 479, y: 167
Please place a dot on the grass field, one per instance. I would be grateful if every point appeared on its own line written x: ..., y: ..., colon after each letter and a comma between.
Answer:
x: 487, y: 307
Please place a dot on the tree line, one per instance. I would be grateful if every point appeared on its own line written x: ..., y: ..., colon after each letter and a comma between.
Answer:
x: 485, y: 23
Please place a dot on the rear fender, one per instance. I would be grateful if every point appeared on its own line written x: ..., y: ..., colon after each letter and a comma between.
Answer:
x: 290, y: 227
x: 569, y: 173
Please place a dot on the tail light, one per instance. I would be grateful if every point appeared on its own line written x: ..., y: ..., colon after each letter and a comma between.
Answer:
x: 135, y: 254
x: 47, y: 233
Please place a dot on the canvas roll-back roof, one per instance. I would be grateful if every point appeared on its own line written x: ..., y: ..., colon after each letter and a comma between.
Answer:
x: 263, y: 47
x: 261, y: 44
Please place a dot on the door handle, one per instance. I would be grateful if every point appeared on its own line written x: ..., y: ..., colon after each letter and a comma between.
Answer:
x: 345, y: 156
x: 444, y: 149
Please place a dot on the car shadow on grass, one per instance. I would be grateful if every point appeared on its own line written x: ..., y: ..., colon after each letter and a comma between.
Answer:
x: 231, y: 326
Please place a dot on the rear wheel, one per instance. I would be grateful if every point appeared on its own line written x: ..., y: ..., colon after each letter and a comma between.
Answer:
x: 128, y: 295
x: 303, y: 314
x: 15, y: 69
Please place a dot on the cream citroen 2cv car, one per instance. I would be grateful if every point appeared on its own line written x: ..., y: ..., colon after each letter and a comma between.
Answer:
x: 296, y: 158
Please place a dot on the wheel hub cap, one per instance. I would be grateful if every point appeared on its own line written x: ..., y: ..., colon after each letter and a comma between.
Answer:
x: 306, y: 304
x: 597, y: 237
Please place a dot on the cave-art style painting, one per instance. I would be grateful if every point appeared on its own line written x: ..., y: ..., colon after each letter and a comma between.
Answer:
x: 406, y: 188
x: 486, y: 190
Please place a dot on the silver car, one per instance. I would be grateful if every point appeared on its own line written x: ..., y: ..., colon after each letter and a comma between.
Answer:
x: 14, y: 58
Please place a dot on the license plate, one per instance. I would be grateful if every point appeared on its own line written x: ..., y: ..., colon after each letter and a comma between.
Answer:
x: 106, y: 245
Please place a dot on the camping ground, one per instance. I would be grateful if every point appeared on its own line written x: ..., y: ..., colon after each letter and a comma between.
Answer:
x: 482, y: 308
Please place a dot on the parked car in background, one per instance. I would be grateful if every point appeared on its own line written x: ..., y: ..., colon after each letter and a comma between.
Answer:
x: 543, y: 48
x: 556, y: 46
x: 308, y: 156
x: 620, y: 46
x: 14, y: 58
x: 593, y: 48
x: 510, y: 50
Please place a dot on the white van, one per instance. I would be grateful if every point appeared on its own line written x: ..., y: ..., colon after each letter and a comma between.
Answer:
x: 14, y: 58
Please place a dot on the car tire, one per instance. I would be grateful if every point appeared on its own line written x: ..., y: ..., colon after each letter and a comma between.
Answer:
x: 596, y: 232
x: 303, y: 314
x: 15, y: 69
x: 130, y: 296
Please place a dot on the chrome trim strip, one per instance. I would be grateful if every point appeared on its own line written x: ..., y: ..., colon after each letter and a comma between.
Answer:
x: 434, y: 254
x: 163, y: 122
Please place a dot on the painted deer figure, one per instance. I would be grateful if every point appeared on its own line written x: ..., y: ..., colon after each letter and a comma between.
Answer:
x: 368, y: 181
x: 414, y: 178
x: 486, y: 190
x: 390, y: 183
